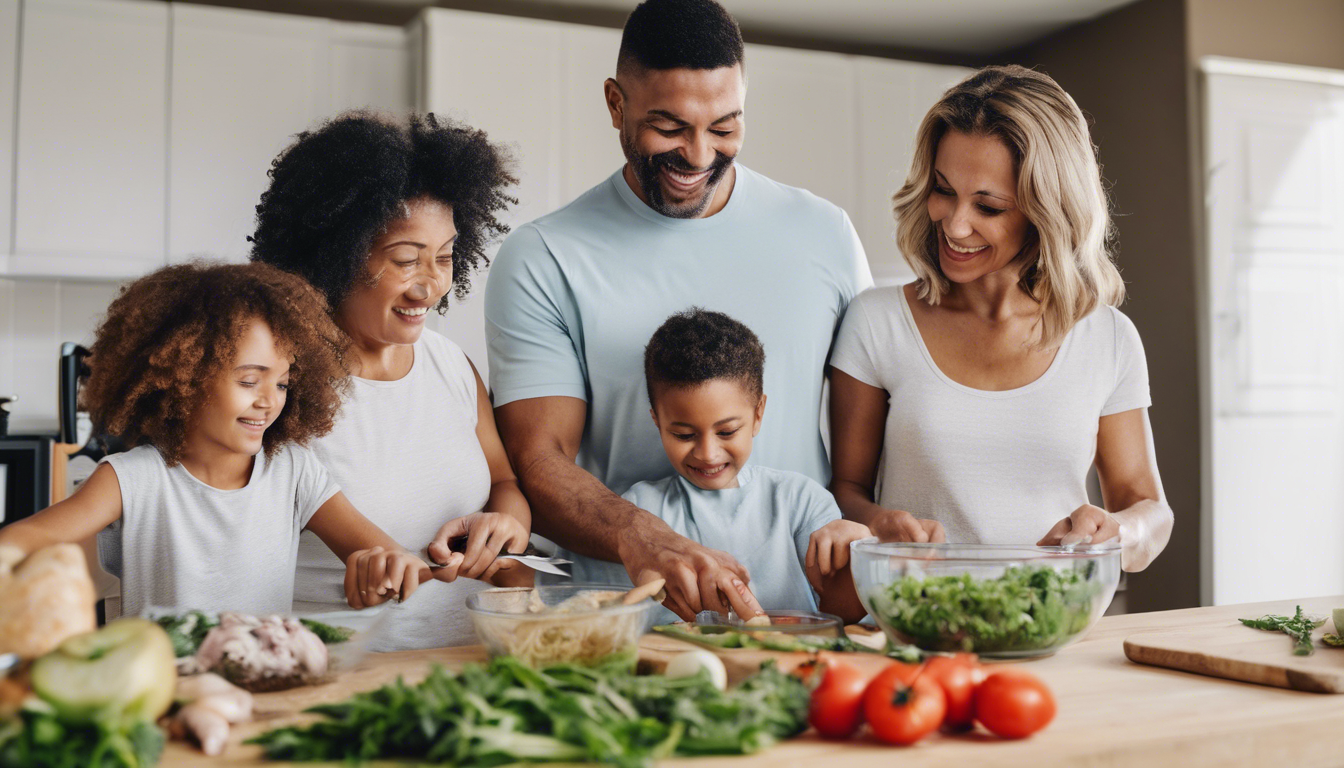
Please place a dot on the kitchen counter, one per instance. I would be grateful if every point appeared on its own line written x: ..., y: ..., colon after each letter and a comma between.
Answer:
x: 1112, y: 712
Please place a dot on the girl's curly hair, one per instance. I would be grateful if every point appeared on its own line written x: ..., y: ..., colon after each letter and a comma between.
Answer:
x: 337, y: 188
x: 169, y: 334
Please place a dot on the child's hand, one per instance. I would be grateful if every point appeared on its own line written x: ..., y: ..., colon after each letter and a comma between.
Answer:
x: 828, y: 549
x: 487, y: 534
x: 374, y: 576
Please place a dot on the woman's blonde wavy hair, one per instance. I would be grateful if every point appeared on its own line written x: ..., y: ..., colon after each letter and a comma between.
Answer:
x: 1066, y: 263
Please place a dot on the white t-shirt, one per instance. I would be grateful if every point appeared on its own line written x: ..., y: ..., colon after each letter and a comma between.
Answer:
x: 992, y: 467
x: 406, y: 454
x: 183, y: 544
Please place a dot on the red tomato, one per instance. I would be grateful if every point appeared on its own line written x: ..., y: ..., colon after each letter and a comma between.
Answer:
x: 903, y: 704
x: 958, y: 675
x: 1014, y: 704
x: 837, y: 701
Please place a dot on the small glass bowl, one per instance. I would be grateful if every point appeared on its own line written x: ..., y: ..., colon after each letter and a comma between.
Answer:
x: 996, y: 601
x: 810, y: 623
x: 589, y: 637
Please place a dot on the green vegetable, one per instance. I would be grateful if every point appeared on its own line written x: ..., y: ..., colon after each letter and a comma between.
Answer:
x: 39, y: 737
x: 776, y: 641
x: 1026, y: 609
x: 124, y: 670
x: 1299, y: 626
x: 327, y: 633
x: 1333, y: 640
x: 507, y: 712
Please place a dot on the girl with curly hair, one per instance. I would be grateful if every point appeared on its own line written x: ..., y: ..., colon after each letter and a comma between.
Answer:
x: 217, y: 376
x: 387, y: 217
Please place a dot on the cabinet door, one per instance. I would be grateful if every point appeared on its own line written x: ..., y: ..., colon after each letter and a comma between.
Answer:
x: 800, y: 121
x: 244, y: 83
x: 893, y: 97
x: 592, y: 146
x: 501, y: 75
x: 370, y: 68
x: 9, y: 81
x: 90, y: 173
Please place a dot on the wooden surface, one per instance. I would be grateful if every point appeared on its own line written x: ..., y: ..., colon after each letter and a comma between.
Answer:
x: 1237, y: 652
x: 1112, y: 712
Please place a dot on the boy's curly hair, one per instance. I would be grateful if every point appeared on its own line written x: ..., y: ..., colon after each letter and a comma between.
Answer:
x: 169, y: 334
x: 697, y: 346
x: 335, y: 189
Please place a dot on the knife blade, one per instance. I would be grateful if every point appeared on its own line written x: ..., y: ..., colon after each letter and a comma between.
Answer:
x: 531, y: 557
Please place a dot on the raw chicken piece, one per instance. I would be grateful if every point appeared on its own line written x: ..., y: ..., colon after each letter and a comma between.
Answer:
x: 263, y: 654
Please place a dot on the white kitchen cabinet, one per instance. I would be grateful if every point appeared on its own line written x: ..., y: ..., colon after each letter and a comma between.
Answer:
x: 370, y: 67
x: 592, y: 147
x: 9, y: 81
x: 244, y: 83
x: 893, y: 97
x: 800, y: 120
x: 91, y: 138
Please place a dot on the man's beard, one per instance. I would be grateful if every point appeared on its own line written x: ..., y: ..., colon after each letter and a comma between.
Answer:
x: 649, y: 176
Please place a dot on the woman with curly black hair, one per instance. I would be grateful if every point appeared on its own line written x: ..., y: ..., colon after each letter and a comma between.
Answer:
x: 387, y: 217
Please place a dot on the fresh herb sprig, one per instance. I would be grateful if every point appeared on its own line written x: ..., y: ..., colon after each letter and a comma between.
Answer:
x: 1299, y: 626
x: 507, y: 712
x: 37, y: 736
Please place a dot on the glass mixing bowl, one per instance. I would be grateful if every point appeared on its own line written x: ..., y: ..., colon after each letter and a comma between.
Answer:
x: 508, y: 624
x: 996, y: 601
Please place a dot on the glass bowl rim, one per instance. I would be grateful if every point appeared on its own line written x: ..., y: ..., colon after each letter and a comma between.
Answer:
x: 473, y: 600
x: 871, y: 546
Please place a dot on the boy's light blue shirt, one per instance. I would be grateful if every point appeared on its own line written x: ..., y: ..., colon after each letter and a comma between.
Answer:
x: 765, y: 523
x: 574, y: 296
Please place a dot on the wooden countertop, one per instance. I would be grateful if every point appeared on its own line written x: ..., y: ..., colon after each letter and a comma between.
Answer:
x: 1112, y: 712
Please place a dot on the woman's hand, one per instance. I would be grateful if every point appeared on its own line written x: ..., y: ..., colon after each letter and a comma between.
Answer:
x: 899, y: 525
x: 828, y: 549
x: 488, y: 534
x: 1085, y: 525
x: 375, y: 575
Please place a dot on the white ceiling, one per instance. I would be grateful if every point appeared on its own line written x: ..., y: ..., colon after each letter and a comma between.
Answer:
x: 975, y: 27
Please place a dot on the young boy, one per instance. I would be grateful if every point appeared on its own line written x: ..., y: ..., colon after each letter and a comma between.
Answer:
x: 705, y: 373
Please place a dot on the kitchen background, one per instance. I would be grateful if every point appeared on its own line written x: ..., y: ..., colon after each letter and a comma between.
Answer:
x: 136, y: 133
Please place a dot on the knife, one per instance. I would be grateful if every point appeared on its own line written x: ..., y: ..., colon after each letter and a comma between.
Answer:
x: 531, y: 557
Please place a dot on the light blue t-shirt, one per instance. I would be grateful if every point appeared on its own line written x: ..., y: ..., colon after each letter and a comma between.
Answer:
x: 574, y: 296
x: 765, y: 523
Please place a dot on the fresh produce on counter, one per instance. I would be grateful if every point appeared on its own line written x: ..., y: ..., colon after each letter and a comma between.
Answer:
x: 188, y: 630
x: 97, y: 697
x: 690, y: 663
x: 208, y: 704
x: 776, y: 641
x: 507, y: 712
x: 1025, y: 609
x: 1298, y: 626
x: 903, y: 703
x: 44, y: 598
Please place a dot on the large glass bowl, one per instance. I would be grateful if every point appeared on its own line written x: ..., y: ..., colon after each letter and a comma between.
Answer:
x: 996, y: 601
x: 507, y: 626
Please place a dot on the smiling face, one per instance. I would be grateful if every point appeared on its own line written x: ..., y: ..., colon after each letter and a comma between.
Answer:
x: 707, y: 429
x: 245, y: 398
x: 410, y: 268
x: 973, y: 207
x: 680, y: 129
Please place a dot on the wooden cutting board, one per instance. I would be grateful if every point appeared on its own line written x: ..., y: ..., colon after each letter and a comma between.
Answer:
x: 1237, y: 652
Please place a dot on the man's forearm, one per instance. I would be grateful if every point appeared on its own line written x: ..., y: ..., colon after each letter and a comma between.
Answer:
x: 575, y: 510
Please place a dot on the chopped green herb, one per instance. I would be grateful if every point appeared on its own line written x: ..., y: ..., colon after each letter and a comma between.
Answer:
x: 327, y: 633
x: 39, y: 737
x: 786, y: 643
x: 1299, y: 626
x: 1025, y: 609
x: 507, y: 712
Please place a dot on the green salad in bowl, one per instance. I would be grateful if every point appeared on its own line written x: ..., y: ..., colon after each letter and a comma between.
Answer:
x: 1004, y: 602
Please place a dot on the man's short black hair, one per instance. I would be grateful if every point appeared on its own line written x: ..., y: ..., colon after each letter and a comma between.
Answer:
x: 679, y: 34
x: 697, y: 346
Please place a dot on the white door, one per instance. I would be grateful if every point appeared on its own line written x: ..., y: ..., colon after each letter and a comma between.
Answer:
x: 1274, y: 144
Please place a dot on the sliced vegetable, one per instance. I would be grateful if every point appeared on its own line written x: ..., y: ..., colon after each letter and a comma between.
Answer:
x: 124, y: 671
x: 1013, y: 704
x: 903, y: 704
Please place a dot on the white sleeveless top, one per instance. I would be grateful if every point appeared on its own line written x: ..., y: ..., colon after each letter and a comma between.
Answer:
x: 992, y: 467
x: 405, y: 453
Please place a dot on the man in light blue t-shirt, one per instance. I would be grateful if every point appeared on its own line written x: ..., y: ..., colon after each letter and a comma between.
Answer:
x: 573, y: 297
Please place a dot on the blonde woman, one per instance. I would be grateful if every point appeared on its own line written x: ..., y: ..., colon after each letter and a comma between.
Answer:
x: 970, y: 404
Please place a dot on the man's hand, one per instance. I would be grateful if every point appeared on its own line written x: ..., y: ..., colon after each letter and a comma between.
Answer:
x: 698, y: 578
x: 899, y: 525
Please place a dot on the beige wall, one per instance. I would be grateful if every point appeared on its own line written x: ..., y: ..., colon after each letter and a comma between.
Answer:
x: 1127, y: 71
x: 1306, y: 32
